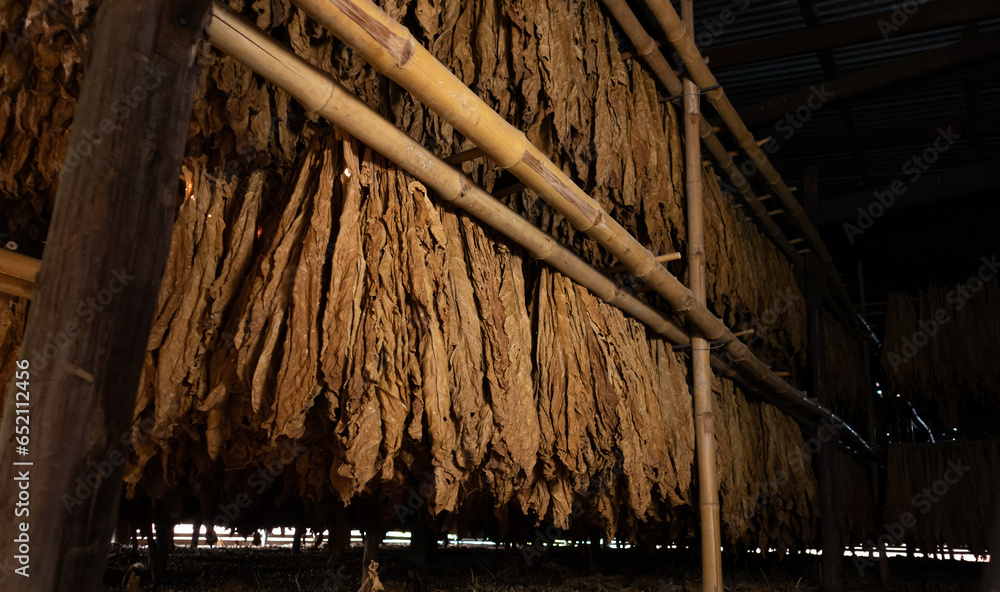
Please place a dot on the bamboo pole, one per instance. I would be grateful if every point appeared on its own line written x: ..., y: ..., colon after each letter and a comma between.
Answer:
x: 660, y: 258
x: 18, y: 265
x: 392, y: 50
x: 704, y: 403
x: 698, y: 69
x: 17, y: 273
x: 16, y: 286
x: 647, y: 47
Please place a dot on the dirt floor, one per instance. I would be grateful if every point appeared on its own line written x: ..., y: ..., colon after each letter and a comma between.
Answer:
x: 251, y: 569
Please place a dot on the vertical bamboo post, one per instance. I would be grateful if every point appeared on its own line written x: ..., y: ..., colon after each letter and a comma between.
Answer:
x: 833, y: 552
x: 708, y: 487
x: 96, y: 294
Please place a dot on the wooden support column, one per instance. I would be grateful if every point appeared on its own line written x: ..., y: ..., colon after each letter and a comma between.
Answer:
x: 874, y: 466
x: 708, y: 486
x: 815, y: 284
x: 828, y: 436
x: 97, y: 291
x: 991, y: 576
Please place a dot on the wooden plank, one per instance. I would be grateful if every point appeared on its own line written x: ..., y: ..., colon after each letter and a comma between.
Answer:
x: 97, y: 291
x: 930, y: 16
x: 880, y: 76
x: 949, y: 184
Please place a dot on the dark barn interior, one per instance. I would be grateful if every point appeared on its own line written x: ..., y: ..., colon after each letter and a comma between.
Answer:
x: 433, y: 295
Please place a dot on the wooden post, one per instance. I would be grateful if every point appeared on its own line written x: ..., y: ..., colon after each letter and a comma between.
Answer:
x: 708, y: 486
x: 874, y: 473
x: 97, y: 291
x: 833, y: 552
x: 991, y: 577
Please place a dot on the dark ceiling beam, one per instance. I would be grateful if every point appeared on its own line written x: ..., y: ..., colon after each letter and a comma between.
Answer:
x: 973, y: 96
x: 829, y: 63
x: 935, y: 15
x: 949, y: 184
x: 914, y: 133
x: 856, y: 83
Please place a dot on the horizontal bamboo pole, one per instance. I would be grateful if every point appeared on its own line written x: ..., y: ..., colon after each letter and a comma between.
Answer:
x: 18, y: 265
x: 16, y: 286
x: 660, y: 258
x: 17, y: 273
x: 683, y: 43
x: 392, y: 50
x: 647, y: 47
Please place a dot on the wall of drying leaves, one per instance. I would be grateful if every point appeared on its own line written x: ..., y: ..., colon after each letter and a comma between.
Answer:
x: 316, y: 294
x: 937, y: 351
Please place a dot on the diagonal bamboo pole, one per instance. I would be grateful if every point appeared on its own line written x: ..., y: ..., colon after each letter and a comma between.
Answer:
x: 704, y: 400
x: 392, y: 50
x: 319, y: 93
x: 683, y: 42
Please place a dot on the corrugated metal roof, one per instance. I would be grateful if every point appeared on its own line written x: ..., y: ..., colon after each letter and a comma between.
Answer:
x: 915, y: 246
x: 937, y: 97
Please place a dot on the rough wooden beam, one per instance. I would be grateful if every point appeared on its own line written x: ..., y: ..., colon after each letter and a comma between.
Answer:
x: 880, y: 76
x: 96, y: 293
x: 930, y: 16
x: 954, y: 183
